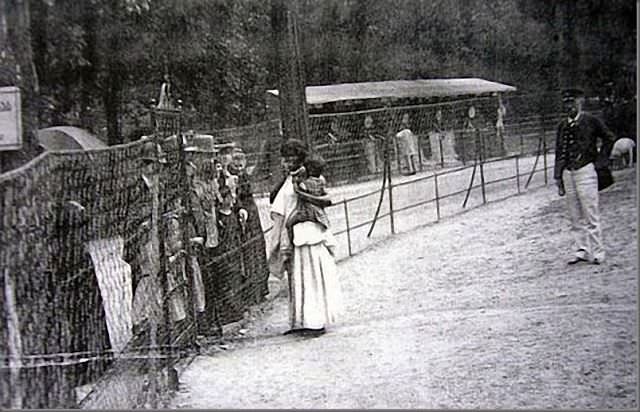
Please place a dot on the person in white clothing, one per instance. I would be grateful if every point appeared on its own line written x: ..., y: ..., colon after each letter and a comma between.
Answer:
x: 314, y: 292
x: 408, y: 146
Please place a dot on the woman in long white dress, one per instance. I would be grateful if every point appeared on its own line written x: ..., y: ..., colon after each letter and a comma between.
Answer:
x: 314, y: 292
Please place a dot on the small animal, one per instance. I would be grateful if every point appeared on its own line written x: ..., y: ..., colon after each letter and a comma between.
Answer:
x: 623, y: 146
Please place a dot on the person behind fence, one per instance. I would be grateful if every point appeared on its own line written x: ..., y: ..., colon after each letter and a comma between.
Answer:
x: 408, y: 146
x: 576, y: 161
x: 253, y: 241
x: 501, y: 112
x: 225, y: 177
x: 225, y: 274
x: 176, y: 254
x: 373, y: 145
x: 308, y: 180
x: 143, y: 248
x: 314, y: 293
x: 201, y: 227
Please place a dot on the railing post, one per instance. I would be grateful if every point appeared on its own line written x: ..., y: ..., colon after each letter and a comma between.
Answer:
x: 518, y: 172
x: 418, y: 139
x: 521, y: 140
x: 544, y: 154
x: 435, y: 185
x: 463, y: 134
x: 484, y: 195
x: 346, y: 218
x: 393, y: 229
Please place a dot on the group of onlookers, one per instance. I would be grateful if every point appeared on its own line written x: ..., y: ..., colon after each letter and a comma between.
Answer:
x: 213, y: 233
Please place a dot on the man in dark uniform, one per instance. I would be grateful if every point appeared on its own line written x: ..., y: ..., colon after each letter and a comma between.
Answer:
x: 577, y: 157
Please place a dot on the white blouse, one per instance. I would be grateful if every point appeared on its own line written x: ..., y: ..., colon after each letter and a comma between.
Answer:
x: 286, y: 200
x: 305, y: 233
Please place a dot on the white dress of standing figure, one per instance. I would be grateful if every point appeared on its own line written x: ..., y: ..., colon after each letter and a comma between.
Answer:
x: 164, y: 101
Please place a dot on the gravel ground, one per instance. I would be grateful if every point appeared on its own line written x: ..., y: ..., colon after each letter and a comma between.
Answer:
x: 479, y: 310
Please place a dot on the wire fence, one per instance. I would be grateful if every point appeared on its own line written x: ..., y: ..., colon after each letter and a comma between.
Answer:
x: 443, y: 135
x: 115, y: 261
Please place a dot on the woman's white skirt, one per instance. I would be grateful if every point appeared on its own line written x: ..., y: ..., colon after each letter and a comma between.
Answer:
x: 314, y: 292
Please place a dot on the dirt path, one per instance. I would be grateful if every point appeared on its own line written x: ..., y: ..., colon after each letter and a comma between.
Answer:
x: 477, y: 311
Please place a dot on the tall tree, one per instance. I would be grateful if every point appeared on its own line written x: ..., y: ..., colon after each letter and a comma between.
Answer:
x: 18, y: 69
x: 293, y: 106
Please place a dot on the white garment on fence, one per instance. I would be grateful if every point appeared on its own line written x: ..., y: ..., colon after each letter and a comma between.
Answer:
x: 114, y: 281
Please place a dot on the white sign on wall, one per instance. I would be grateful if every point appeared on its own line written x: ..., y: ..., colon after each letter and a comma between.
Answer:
x: 10, y: 119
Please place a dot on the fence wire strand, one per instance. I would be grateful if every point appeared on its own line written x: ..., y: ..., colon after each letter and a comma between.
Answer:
x: 116, y: 262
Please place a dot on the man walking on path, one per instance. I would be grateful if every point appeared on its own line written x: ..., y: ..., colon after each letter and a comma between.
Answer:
x: 576, y: 161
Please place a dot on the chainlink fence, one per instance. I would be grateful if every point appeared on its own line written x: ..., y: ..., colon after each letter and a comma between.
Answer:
x: 352, y: 143
x: 115, y: 261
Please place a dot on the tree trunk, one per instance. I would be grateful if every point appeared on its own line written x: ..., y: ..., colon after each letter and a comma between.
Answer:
x: 291, y: 84
x: 17, y: 69
x: 88, y: 73
x: 569, y: 58
x: 114, y: 81
x: 112, y: 106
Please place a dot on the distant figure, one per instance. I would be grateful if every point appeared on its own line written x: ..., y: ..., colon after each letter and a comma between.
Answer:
x: 441, y: 140
x: 164, y: 101
x: 622, y: 147
x: 372, y: 145
x: 501, y: 113
x: 334, y: 135
x: 408, y: 145
x: 473, y: 126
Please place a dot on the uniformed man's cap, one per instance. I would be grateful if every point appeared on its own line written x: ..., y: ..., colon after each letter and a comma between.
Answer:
x: 572, y: 93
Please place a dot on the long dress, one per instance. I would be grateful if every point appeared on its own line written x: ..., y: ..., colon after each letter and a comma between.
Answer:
x: 224, y: 274
x: 314, y: 292
x: 253, y: 242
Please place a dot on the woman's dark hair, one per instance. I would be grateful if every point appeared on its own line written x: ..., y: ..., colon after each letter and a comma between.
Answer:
x: 315, y: 165
x: 294, y: 147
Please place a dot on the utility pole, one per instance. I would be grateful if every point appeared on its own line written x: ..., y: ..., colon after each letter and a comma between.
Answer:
x: 290, y: 70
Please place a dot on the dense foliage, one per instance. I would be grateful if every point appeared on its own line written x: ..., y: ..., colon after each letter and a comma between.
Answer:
x: 99, y: 62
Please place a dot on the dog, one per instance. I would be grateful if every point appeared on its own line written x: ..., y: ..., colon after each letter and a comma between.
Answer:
x: 622, y: 147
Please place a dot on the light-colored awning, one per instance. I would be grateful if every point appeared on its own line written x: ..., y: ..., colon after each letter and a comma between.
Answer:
x: 68, y: 138
x: 424, y: 88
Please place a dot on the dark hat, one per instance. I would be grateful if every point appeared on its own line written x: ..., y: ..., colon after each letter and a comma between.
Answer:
x: 572, y: 93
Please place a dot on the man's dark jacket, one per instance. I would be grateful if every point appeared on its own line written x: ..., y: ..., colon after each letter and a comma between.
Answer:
x: 576, y: 145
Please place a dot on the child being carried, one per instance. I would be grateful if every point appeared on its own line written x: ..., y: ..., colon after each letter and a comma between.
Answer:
x: 308, y: 182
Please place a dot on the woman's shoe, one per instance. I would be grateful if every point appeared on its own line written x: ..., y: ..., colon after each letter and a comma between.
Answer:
x: 314, y: 332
